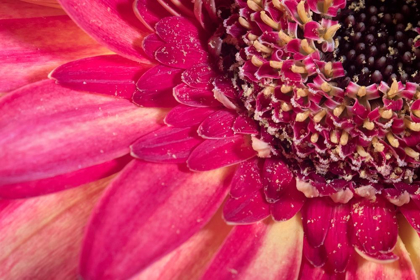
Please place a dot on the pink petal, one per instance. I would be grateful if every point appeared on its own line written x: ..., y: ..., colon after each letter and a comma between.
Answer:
x: 373, y: 234
x: 265, y: 250
x: 45, y: 46
x: 316, y: 256
x: 149, y: 12
x: 308, y: 271
x: 185, y: 116
x: 337, y: 242
x: 316, y: 220
x: 247, y: 178
x: 245, y: 125
x: 412, y: 213
x: 19, y: 9
x: 108, y: 74
x: 276, y: 179
x: 213, y: 154
x: 41, y: 237
x: 218, y: 125
x: 411, y: 239
x: 199, y: 76
x: 64, y: 181
x: 112, y: 23
x: 183, y: 47
x: 49, y: 130
x: 120, y: 243
x: 190, y: 259
x: 167, y: 144
x: 401, y: 269
x: 195, y: 97
x: 155, y: 87
x: 247, y: 209
x: 289, y: 204
x: 152, y: 43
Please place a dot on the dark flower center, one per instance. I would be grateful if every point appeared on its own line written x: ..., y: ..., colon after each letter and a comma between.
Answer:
x: 332, y: 85
x: 376, y: 41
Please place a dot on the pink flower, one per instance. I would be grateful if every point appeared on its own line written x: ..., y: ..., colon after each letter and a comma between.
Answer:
x: 258, y: 111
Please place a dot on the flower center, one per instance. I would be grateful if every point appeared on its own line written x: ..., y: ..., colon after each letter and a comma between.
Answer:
x: 376, y: 41
x: 332, y: 85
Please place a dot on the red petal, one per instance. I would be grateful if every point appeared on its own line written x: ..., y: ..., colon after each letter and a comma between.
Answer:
x: 112, y: 23
x: 247, y: 178
x: 44, y: 47
x: 246, y: 209
x: 64, y: 181
x: 149, y: 12
x: 147, y: 212
x: 245, y: 125
x: 18, y: 9
x: 276, y: 179
x: 213, y: 154
x: 218, y: 125
x: 412, y: 213
x: 155, y: 87
x: 316, y: 256
x: 185, y: 116
x: 199, y: 76
x: 190, y: 259
x: 108, y: 74
x: 337, y: 242
x: 375, y: 225
x: 316, y: 220
x: 195, y: 97
x: 289, y: 203
x: 41, y: 237
x: 167, y: 144
x: 151, y: 44
x: 265, y: 250
x: 50, y: 130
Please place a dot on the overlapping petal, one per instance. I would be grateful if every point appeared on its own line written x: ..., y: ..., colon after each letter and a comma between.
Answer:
x: 148, y: 211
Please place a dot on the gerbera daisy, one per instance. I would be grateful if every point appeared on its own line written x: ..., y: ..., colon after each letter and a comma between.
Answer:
x: 300, y: 117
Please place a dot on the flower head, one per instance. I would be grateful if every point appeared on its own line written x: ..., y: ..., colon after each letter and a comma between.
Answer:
x: 315, y: 103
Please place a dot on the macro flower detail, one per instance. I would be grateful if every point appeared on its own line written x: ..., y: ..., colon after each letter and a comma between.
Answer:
x: 299, y: 119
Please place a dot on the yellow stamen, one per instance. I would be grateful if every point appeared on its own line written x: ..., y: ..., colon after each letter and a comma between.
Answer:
x: 368, y: 124
x: 251, y: 36
x: 244, y: 23
x: 412, y: 153
x: 268, y: 91
x: 253, y: 6
x: 305, y: 47
x: 331, y: 32
x: 302, y: 12
x: 326, y: 87
x: 260, y: 47
x: 344, y: 139
x: 286, y: 107
x: 276, y: 64
x: 361, y: 151
x: 302, y: 93
x: 284, y: 37
x: 328, y: 69
x: 318, y: 117
x: 362, y: 91
x: 327, y: 5
x: 256, y: 61
x: 412, y: 125
x: 392, y: 140
x: 278, y: 5
x: 333, y: 137
x: 286, y: 89
x: 301, y: 117
x: 393, y: 90
x: 339, y: 110
x: 314, y: 138
x: 386, y: 114
x: 269, y: 21
x: 378, y: 146
x: 299, y: 69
